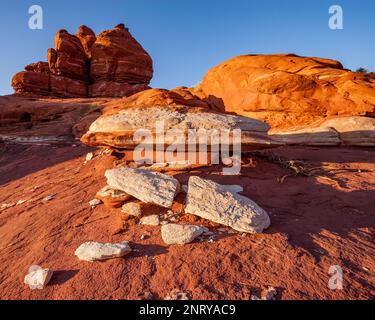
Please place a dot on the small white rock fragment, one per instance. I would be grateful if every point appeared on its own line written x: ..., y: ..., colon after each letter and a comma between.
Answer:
x: 132, y: 209
x: 48, y: 198
x: 20, y: 202
x: 38, y: 277
x: 176, y: 294
x: 94, y: 203
x: 5, y: 206
x: 89, y: 156
x: 271, y: 294
x: 152, y: 220
x: 95, y: 251
x: 180, y: 234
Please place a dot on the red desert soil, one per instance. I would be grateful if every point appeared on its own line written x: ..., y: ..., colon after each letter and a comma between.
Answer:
x: 317, y: 222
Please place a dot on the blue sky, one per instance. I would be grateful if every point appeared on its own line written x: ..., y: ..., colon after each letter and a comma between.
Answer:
x: 186, y: 38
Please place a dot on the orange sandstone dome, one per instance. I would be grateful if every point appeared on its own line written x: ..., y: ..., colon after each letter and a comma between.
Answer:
x: 287, y: 90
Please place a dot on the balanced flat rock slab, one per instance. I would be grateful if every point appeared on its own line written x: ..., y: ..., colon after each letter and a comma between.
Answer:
x: 117, y: 130
x: 95, y: 251
x: 144, y: 185
x: 212, y: 201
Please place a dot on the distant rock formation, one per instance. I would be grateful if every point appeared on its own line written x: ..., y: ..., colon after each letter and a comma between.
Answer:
x: 113, y: 64
x: 288, y: 91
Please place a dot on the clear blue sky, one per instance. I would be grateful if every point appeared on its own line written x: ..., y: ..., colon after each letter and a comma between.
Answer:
x: 187, y: 37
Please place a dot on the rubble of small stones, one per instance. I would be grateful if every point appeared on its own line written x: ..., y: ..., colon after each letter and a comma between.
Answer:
x: 94, y: 203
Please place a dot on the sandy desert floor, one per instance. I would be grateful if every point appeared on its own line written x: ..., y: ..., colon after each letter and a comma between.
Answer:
x: 317, y: 221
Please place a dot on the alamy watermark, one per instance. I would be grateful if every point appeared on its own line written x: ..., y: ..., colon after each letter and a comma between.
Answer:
x: 193, y: 146
x: 36, y: 18
x: 336, y: 20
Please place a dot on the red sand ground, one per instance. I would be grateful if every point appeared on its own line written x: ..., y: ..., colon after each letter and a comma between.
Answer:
x: 316, y: 222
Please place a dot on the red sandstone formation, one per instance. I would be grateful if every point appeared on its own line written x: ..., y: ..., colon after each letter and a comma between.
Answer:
x: 113, y: 64
x: 68, y: 59
x: 288, y: 90
x: 87, y: 38
x: 117, y: 58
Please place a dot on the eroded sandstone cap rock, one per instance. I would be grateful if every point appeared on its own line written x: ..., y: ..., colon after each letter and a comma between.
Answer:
x: 146, y: 110
x: 214, y: 202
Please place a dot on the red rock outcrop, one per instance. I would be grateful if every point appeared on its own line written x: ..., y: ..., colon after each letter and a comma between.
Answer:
x: 67, y: 87
x: 40, y: 67
x: 117, y: 59
x: 117, y: 56
x: 288, y: 90
x: 87, y: 38
x: 151, y: 98
x: 28, y: 81
x: 115, y: 89
x: 68, y: 58
x: 81, y: 65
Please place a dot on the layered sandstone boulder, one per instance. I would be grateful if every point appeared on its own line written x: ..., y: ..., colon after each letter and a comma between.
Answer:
x: 144, y: 111
x: 113, y: 64
x: 288, y: 90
